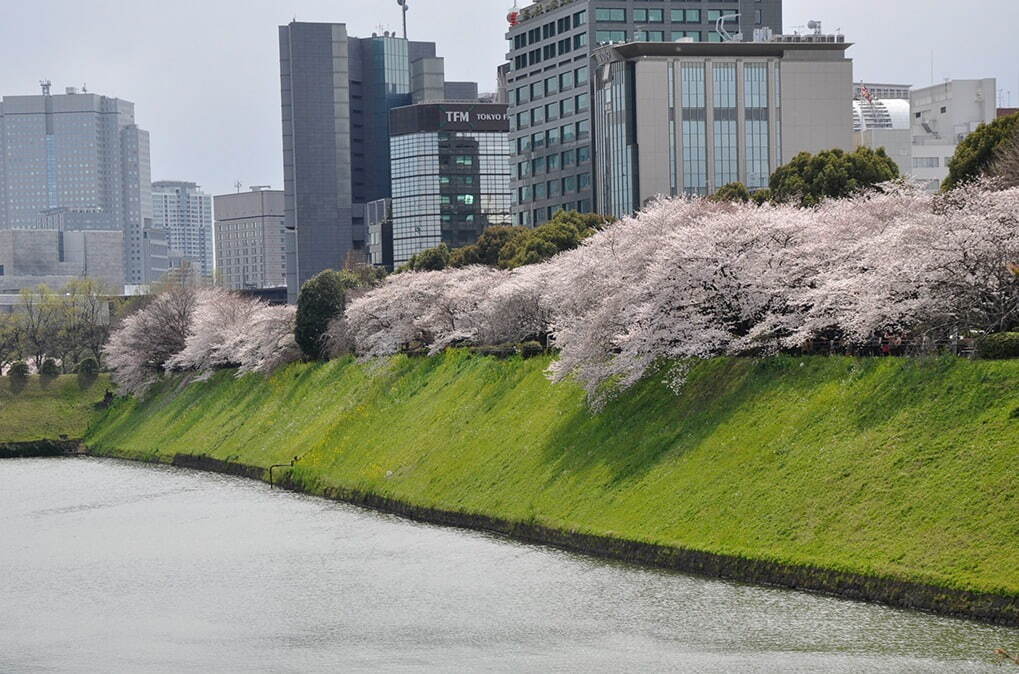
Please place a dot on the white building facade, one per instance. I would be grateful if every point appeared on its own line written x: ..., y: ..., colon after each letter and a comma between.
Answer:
x: 941, y: 117
x: 184, y: 212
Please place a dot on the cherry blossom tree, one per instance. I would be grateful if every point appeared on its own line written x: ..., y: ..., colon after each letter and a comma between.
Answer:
x: 137, y: 353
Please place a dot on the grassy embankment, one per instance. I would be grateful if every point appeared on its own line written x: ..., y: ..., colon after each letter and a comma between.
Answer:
x: 901, y: 469
x: 45, y: 409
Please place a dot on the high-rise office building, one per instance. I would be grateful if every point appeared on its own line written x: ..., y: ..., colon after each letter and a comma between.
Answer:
x: 548, y: 83
x: 337, y: 92
x: 688, y: 118
x: 184, y: 212
x: 450, y: 168
x: 250, y: 239
x: 83, y: 155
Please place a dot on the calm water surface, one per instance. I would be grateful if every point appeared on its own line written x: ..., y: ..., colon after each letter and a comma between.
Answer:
x: 117, y: 567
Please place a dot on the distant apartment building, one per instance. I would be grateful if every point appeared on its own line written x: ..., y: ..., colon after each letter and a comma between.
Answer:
x: 250, y: 239
x: 337, y: 92
x: 79, y: 157
x: 942, y: 115
x: 30, y: 257
x: 688, y: 118
x: 450, y: 172
x: 548, y: 81
x: 184, y: 212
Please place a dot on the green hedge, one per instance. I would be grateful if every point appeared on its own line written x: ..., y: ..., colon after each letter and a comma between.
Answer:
x: 999, y: 346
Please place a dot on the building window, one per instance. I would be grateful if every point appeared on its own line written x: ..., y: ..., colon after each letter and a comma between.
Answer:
x: 607, y: 36
x: 695, y: 152
x: 606, y: 15
x: 649, y: 15
x: 685, y: 15
x: 755, y: 77
x: 726, y: 145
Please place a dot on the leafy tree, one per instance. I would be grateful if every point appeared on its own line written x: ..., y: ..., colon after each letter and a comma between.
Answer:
x: 563, y: 232
x: 464, y: 256
x: 831, y: 174
x: 509, y: 247
x: 321, y: 300
x: 977, y: 151
x: 1006, y: 166
x: 10, y: 339
x: 88, y: 367
x: 735, y: 192
x: 492, y: 240
x: 49, y: 368
x: 18, y: 370
x: 40, y: 320
x: 433, y: 259
x: 86, y: 317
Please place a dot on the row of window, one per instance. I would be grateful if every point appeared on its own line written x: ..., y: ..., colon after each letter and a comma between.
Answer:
x: 539, y: 215
x: 551, y: 86
x: 565, y: 134
x: 611, y: 36
x: 550, y: 30
x: 552, y: 111
x: 550, y: 51
x: 607, y: 15
x: 553, y: 162
x: 553, y: 188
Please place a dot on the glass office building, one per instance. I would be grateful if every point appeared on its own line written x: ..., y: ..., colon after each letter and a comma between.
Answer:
x: 450, y: 172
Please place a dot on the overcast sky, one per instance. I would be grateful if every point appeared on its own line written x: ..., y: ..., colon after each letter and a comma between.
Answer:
x: 204, y: 74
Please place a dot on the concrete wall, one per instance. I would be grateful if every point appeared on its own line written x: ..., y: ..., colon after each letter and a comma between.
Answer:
x: 898, y: 144
x: 652, y: 129
x: 33, y: 257
x: 816, y: 98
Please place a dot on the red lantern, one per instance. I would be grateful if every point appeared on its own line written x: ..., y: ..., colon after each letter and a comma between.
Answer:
x: 513, y: 18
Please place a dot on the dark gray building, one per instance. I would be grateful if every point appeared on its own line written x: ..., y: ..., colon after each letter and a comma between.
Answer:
x: 451, y: 174
x: 549, y: 82
x: 337, y: 92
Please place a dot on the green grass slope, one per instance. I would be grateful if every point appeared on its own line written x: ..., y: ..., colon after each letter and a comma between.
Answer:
x: 45, y: 409
x: 890, y: 467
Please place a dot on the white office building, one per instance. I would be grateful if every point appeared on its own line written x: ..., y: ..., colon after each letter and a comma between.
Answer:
x: 941, y: 116
x: 184, y: 212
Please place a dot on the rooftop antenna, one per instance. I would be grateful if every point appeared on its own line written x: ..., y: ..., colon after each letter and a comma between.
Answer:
x: 403, y: 4
x: 238, y: 185
x: 84, y: 89
x: 45, y: 84
x: 814, y: 26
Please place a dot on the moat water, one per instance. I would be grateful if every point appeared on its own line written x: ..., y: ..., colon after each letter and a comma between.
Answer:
x: 117, y: 567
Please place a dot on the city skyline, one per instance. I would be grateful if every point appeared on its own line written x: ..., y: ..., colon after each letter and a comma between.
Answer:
x: 214, y: 115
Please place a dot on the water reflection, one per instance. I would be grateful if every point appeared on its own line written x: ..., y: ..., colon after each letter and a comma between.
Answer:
x: 121, y: 567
